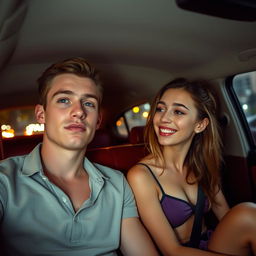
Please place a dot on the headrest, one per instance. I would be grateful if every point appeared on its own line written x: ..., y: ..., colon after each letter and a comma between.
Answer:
x: 136, y: 135
x: 20, y: 145
x: 101, y: 138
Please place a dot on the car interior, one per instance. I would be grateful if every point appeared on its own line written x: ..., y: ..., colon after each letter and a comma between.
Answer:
x: 138, y: 46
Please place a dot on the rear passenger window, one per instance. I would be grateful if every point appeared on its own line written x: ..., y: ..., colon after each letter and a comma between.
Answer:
x: 19, y: 122
x: 136, y: 116
x: 244, y: 86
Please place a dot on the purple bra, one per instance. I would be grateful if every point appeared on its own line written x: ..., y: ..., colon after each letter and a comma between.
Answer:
x: 176, y: 210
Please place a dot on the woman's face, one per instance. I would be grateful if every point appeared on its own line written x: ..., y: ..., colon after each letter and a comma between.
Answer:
x: 175, y: 121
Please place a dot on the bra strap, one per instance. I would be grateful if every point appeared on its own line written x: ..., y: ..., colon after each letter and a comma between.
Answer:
x: 157, y: 181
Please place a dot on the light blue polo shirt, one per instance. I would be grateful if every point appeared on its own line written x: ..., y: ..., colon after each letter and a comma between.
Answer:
x: 37, y: 218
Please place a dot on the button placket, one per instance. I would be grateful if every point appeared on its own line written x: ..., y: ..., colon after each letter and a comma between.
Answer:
x: 76, y: 233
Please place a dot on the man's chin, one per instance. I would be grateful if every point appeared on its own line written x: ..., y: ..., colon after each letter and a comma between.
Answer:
x: 74, y: 145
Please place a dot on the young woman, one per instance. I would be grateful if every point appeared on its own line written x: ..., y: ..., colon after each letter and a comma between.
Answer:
x: 185, y: 157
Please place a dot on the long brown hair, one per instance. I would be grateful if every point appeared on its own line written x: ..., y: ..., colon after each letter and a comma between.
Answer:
x: 204, y: 156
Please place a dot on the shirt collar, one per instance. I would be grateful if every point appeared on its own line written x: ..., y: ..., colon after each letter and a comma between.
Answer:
x: 94, y: 171
x: 32, y: 163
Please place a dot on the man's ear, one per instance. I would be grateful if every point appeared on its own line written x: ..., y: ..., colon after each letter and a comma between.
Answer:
x: 99, y: 121
x: 201, y: 125
x: 40, y: 114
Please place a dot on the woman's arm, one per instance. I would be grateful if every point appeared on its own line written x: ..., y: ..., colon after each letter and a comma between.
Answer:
x: 146, y: 195
x: 220, y: 208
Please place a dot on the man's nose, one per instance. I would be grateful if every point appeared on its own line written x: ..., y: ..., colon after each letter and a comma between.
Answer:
x: 78, y: 111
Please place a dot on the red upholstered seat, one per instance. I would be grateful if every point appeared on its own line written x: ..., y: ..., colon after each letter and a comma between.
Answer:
x: 20, y: 145
x: 136, y: 135
x: 102, y: 138
x: 121, y: 157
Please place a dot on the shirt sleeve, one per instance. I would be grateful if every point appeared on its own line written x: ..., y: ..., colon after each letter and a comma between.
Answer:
x: 2, y: 196
x: 129, y: 206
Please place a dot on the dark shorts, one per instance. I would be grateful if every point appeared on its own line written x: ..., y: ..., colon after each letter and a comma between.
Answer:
x: 204, y: 239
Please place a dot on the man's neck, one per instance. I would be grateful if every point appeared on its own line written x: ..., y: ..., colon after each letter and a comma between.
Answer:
x: 62, y: 162
x: 64, y: 168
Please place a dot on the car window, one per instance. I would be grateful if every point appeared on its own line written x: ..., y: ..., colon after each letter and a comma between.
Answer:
x: 244, y: 86
x: 19, y: 122
x: 136, y: 116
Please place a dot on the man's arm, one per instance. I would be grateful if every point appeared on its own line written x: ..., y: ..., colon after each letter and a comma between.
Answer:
x: 135, y: 241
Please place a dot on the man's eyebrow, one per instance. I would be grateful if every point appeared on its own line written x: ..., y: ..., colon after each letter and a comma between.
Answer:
x: 88, y: 95
x: 62, y: 92
x: 68, y: 92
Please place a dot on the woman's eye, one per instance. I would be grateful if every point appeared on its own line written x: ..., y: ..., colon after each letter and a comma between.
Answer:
x: 178, y: 112
x: 159, y: 109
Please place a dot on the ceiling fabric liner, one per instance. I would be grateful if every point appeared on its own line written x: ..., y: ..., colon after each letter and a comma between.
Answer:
x: 12, y: 13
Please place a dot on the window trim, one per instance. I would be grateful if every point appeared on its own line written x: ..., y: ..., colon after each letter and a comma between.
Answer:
x: 238, y: 109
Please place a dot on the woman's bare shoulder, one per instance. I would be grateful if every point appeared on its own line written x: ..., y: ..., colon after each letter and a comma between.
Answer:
x: 139, y: 171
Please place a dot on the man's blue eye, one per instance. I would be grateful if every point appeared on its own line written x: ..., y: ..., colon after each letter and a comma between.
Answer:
x: 88, y: 104
x: 63, y: 100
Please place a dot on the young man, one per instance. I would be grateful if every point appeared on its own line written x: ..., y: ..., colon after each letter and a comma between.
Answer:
x: 54, y: 201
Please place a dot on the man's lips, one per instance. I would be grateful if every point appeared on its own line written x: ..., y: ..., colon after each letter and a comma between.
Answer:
x: 76, y: 127
x: 165, y: 131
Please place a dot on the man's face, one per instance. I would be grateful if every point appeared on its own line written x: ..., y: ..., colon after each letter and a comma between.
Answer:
x: 72, y: 112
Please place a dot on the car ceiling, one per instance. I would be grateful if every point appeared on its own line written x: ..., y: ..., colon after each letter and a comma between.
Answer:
x: 138, y: 45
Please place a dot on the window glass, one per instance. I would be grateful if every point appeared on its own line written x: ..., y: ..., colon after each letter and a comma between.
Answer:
x: 121, y: 127
x: 136, y: 116
x: 245, y: 88
x: 19, y: 122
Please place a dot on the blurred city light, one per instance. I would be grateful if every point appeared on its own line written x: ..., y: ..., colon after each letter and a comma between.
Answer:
x: 7, y: 131
x: 33, y: 128
x: 118, y: 123
x: 245, y: 107
x: 136, y: 109
x: 5, y: 127
x: 147, y: 106
x: 145, y: 114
